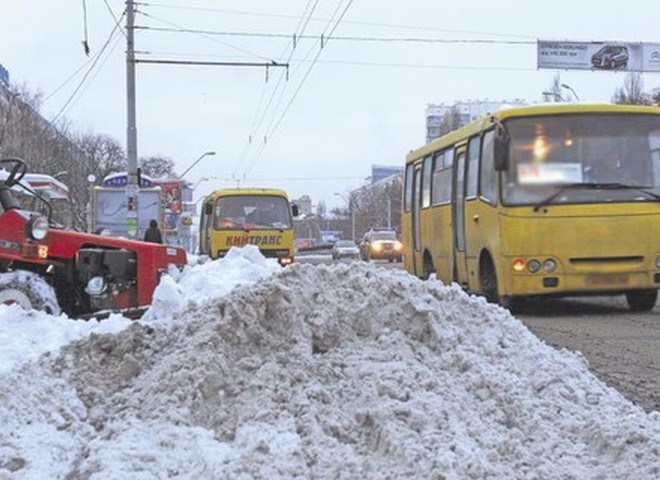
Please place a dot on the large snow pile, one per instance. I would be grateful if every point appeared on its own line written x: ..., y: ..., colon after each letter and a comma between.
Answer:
x: 245, y: 370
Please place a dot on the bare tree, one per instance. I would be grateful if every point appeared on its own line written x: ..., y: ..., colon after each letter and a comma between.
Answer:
x: 158, y: 167
x: 451, y: 120
x: 632, y: 91
x: 554, y: 92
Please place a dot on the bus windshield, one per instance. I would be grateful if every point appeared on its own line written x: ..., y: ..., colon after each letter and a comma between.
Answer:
x: 615, y: 157
x: 248, y: 212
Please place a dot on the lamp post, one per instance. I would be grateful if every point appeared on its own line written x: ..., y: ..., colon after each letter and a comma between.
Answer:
x: 205, y: 154
x: 570, y: 89
x: 349, y: 201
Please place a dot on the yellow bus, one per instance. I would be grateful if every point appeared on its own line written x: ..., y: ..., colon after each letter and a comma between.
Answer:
x: 552, y: 200
x: 235, y: 217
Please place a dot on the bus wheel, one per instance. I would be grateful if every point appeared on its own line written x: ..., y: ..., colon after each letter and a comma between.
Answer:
x: 427, y: 267
x: 29, y: 290
x: 488, y: 279
x: 642, y: 300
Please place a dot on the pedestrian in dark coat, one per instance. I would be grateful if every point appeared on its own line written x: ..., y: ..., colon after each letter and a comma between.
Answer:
x: 153, y: 234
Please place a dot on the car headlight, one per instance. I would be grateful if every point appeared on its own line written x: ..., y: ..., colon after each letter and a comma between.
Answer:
x: 96, y: 286
x: 398, y: 246
x: 37, y: 227
x: 376, y: 247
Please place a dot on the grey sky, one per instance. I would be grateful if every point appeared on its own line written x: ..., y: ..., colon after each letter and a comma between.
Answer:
x: 362, y: 103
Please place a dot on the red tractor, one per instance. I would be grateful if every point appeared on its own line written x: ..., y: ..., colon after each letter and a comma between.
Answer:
x: 52, y: 269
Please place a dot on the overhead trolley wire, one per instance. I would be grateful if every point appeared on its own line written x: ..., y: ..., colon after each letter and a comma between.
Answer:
x: 260, y: 114
x: 271, y: 131
x: 199, y: 34
x: 345, y: 22
x: 95, y: 60
x: 351, y: 38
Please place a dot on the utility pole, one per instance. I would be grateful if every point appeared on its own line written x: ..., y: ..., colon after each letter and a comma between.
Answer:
x: 132, y: 185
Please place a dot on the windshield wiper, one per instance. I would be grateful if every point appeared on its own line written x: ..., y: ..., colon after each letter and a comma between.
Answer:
x: 593, y: 186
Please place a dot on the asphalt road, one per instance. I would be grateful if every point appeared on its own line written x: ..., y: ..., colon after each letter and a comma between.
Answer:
x: 622, y: 348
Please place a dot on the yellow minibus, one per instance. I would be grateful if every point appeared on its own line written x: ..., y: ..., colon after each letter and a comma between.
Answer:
x: 548, y: 200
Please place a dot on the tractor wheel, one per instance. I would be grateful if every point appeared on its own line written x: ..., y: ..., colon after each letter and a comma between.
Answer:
x: 29, y: 290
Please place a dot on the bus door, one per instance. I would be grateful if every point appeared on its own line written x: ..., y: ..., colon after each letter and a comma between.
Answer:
x: 205, y: 224
x: 416, y: 220
x: 460, y: 274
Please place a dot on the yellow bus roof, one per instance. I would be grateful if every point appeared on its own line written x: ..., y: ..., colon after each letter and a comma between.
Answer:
x: 462, y: 134
x: 225, y: 192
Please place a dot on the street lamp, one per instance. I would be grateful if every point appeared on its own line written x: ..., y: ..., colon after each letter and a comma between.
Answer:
x: 349, y: 201
x: 569, y: 88
x: 195, y: 163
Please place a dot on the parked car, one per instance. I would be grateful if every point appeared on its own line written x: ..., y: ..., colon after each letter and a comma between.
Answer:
x: 381, y: 245
x: 610, y: 57
x: 345, y: 249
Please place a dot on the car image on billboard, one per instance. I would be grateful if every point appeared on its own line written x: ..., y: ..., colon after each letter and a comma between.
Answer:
x: 610, y: 57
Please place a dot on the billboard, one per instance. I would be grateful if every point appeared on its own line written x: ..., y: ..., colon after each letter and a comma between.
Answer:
x: 608, y: 56
x: 110, y: 209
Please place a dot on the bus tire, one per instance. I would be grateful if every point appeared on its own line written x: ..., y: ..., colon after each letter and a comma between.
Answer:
x: 641, y: 300
x: 29, y: 290
x: 427, y: 266
x: 488, y: 279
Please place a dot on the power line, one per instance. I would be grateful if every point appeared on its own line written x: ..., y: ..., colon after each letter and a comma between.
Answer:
x: 114, y: 17
x: 347, y: 38
x: 259, y: 117
x: 97, y: 57
x: 346, y: 22
x: 361, y: 63
x: 207, y: 37
x: 272, y: 131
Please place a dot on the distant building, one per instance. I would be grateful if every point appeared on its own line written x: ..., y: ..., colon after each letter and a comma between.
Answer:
x: 304, y: 204
x: 467, y: 111
x: 380, y: 172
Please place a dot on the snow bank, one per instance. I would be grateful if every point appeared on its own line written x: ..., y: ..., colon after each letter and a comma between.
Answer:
x: 342, y: 371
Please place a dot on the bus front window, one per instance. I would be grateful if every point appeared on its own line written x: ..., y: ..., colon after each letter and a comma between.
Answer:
x: 248, y: 212
x: 547, y: 153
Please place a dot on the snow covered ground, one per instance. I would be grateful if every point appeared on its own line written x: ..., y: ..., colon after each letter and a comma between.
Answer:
x: 243, y: 370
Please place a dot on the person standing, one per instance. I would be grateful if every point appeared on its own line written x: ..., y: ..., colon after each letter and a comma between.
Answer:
x: 153, y: 234
x: 184, y: 231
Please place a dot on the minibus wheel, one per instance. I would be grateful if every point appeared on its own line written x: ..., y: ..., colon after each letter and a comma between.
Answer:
x: 641, y: 300
x: 427, y: 267
x: 488, y: 279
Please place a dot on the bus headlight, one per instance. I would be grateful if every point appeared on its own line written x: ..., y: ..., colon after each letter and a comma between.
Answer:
x: 37, y: 227
x: 549, y: 265
x: 533, y: 266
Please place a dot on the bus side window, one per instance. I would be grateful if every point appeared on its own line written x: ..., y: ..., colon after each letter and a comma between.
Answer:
x: 472, y: 167
x: 487, y: 177
x: 426, y: 181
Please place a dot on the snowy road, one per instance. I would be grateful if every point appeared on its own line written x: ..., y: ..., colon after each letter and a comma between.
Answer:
x: 623, y: 348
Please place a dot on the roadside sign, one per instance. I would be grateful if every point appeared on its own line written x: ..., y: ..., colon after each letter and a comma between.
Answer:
x: 609, y: 56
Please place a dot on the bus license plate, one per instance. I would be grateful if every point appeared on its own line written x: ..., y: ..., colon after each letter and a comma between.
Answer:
x: 607, y: 279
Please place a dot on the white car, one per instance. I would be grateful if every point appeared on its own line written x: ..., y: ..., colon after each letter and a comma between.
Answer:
x: 345, y: 249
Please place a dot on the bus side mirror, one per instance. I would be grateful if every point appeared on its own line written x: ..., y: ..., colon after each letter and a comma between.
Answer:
x: 294, y: 210
x: 208, y: 209
x: 501, y: 151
